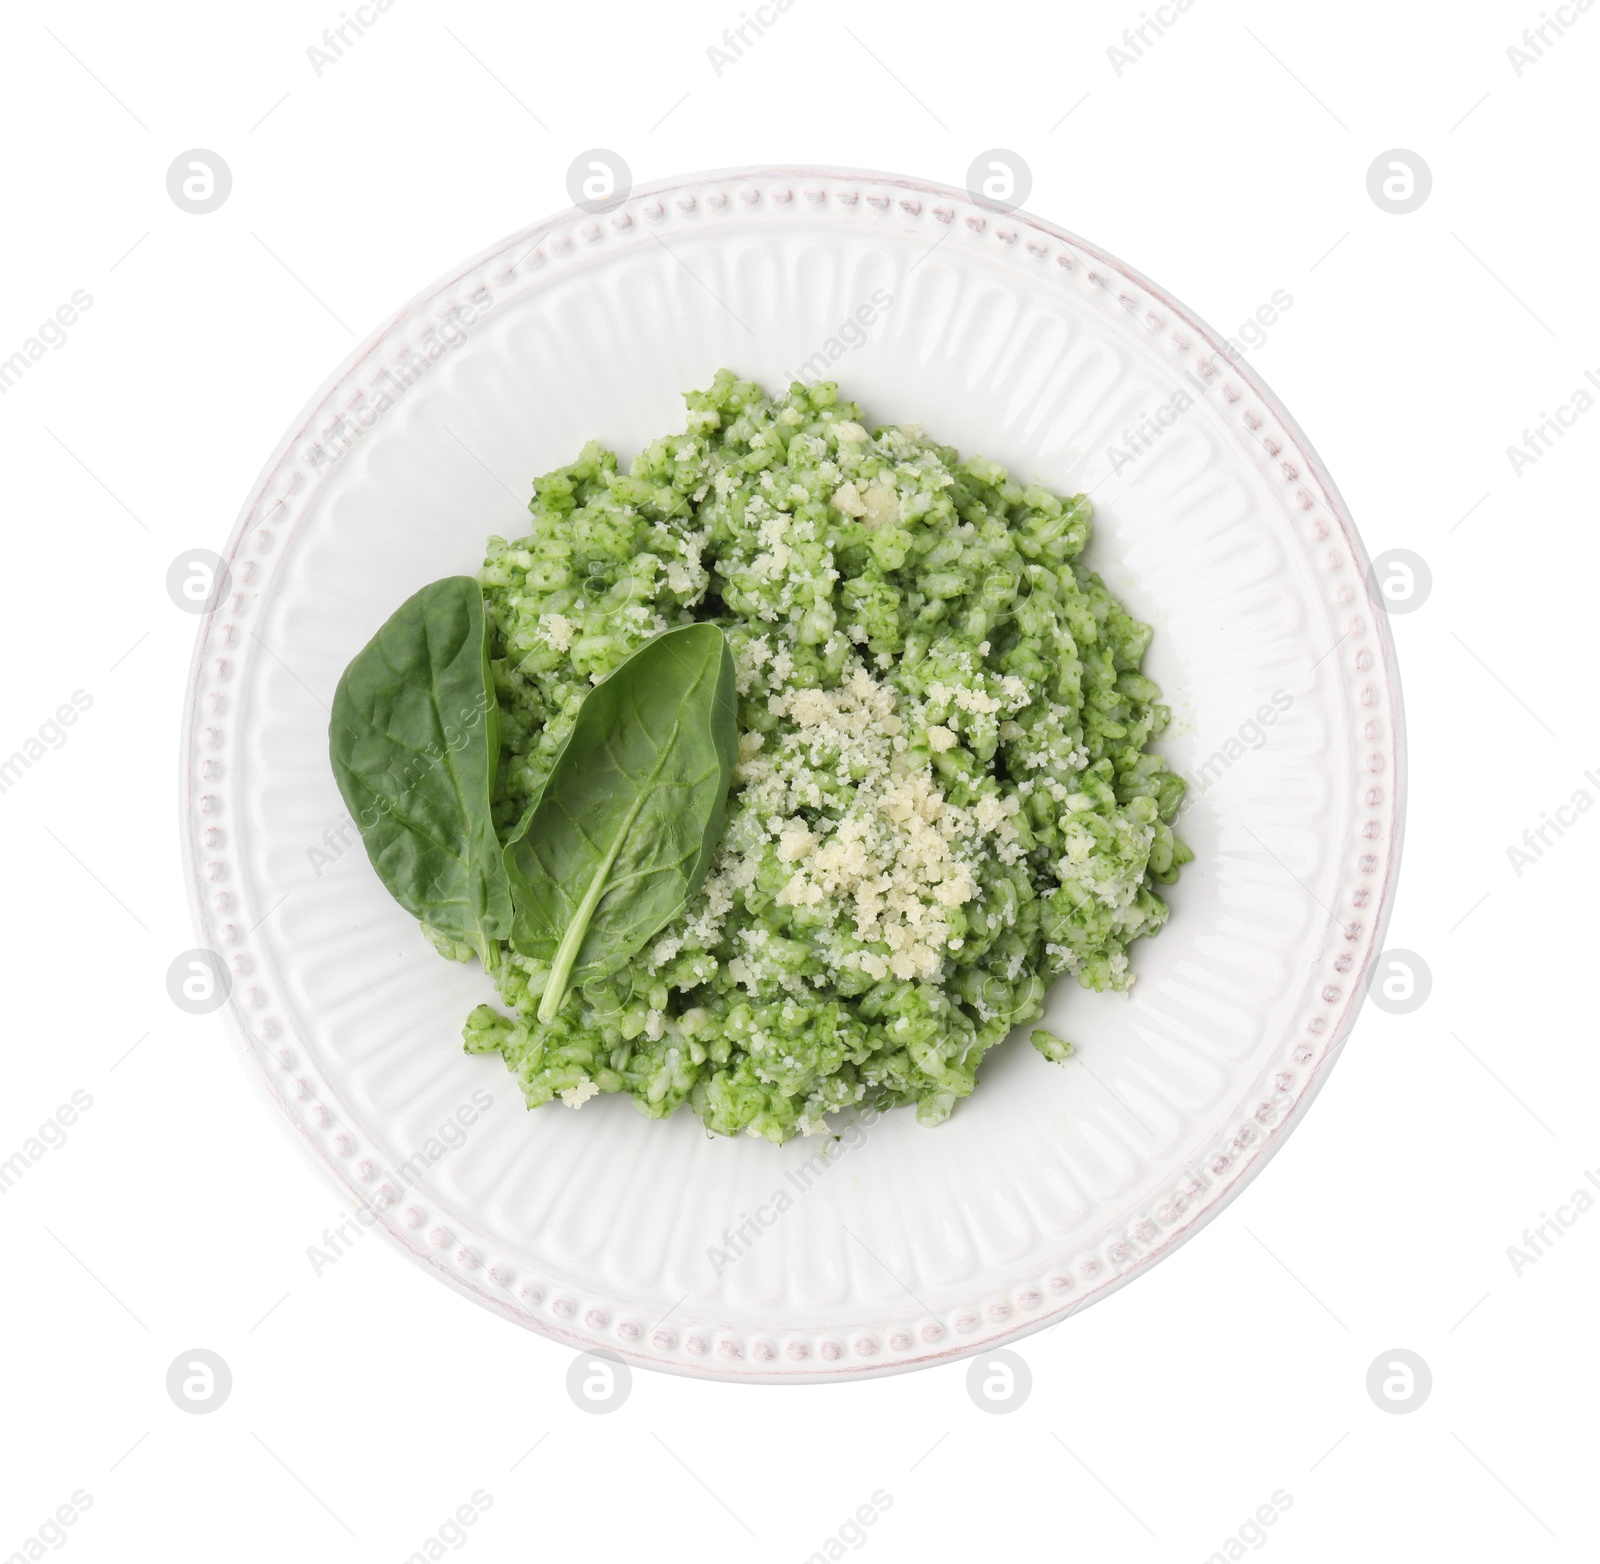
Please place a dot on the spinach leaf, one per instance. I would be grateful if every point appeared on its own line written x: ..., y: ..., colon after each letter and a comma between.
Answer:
x: 631, y: 812
x: 415, y: 746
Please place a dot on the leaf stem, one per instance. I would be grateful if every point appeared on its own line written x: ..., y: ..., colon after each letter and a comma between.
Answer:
x: 555, y: 989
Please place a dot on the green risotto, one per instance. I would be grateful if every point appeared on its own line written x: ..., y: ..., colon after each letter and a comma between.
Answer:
x: 943, y: 797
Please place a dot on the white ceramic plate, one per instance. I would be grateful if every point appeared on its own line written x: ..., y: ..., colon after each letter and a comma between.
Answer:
x: 1051, y: 1185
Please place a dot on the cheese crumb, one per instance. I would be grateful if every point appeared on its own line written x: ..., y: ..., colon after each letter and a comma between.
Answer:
x: 880, y: 504
x: 795, y: 841
x: 558, y: 631
x: 846, y: 499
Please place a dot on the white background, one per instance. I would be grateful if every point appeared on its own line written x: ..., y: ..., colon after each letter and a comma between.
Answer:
x: 1229, y: 160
